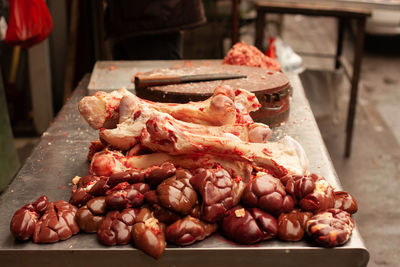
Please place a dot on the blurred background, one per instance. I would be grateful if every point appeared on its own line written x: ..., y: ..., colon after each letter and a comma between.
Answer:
x: 37, y: 81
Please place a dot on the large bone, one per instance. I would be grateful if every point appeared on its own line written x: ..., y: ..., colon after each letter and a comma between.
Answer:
x: 225, y: 106
x: 107, y: 162
x: 217, y: 110
x: 280, y: 158
x: 245, y: 102
x: 128, y: 133
x: 102, y: 109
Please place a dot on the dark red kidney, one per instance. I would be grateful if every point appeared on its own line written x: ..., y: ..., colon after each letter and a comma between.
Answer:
x: 136, y: 198
x: 100, y: 187
x: 113, y: 232
x: 117, y: 226
x: 90, y: 216
x: 141, y: 187
x: 57, y: 223
x: 215, y: 188
x: 196, y: 211
x: 292, y: 225
x: 164, y: 215
x: 267, y: 223
x: 87, y: 221
x: 23, y: 222
x: 151, y: 197
x: 130, y: 196
x: 157, y: 174
x: 148, y: 236
x: 267, y: 193
x: 313, y: 192
x: 176, y: 195
x: 346, y: 202
x: 81, y: 194
x: 87, y: 181
x: 40, y: 204
x: 117, y: 200
x: 330, y: 228
x: 188, y: 230
x: 97, y: 205
x: 144, y: 214
x: 80, y: 197
x: 132, y: 177
x: 249, y: 226
x: 183, y: 174
x: 129, y: 216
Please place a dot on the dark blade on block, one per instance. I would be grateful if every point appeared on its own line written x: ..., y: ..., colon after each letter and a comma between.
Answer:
x: 150, y: 80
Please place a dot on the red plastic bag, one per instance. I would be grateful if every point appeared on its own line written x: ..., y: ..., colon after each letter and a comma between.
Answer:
x: 30, y: 22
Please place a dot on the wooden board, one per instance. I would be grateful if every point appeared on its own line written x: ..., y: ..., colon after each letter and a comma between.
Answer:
x: 258, y: 80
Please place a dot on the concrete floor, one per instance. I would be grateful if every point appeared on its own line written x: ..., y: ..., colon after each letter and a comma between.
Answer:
x: 372, y: 173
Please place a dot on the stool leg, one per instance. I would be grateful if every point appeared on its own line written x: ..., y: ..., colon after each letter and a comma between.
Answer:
x: 260, y: 24
x: 358, y: 51
x: 339, y: 45
x: 280, y: 25
x: 235, y: 22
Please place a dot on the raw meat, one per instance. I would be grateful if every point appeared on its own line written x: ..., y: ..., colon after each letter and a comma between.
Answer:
x: 112, y: 162
x: 102, y: 109
x: 248, y: 55
x: 225, y: 106
x: 128, y: 133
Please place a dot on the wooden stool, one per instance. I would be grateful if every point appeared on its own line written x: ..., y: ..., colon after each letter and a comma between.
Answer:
x: 342, y: 13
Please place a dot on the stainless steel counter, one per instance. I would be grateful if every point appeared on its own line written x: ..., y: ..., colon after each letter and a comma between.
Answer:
x: 61, y: 155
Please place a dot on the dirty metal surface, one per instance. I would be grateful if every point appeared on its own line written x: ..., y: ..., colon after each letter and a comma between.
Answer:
x: 112, y: 75
x: 61, y: 155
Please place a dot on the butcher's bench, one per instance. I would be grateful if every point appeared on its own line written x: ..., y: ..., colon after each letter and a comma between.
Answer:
x: 326, y: 9
x: 62, y: 154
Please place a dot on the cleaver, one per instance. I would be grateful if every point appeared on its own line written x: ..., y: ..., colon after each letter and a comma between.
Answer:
x: 142, y: 81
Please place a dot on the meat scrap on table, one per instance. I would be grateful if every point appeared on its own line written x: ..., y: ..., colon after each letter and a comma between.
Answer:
x: 178, y: 173
x: 248, y: 55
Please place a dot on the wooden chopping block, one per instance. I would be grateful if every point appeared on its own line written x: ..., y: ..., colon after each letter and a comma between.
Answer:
x: 272, y: 88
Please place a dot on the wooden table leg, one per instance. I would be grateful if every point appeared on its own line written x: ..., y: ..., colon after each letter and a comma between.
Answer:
x: 358, y: 52
x: 260, y: 24
x: 339, y: 45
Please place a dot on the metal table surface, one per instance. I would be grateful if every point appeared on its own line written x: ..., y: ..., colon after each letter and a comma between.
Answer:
x: 61, y: 154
